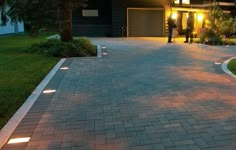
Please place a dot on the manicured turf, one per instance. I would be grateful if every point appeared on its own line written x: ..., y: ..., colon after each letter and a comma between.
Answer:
x: 232, y: 66
x: 20, y: 72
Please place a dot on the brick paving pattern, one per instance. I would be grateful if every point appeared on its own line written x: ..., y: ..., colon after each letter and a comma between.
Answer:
x: 144, y: 95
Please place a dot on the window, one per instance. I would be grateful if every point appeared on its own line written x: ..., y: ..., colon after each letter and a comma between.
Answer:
x: 176, y: 1
x: 183, y: 1
x: 90, y: 13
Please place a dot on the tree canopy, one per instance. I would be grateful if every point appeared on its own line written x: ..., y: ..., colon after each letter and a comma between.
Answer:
x: 38, y: 14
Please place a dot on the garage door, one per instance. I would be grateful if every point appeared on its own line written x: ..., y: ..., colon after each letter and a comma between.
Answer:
x: 145, y: 22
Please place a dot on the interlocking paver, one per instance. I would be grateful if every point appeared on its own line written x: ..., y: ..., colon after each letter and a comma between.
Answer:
x: 145, y: 94
x: 123, y: 146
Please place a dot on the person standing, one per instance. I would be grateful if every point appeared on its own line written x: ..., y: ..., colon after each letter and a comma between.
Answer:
x: 170, y: 23
x: 190, y: 27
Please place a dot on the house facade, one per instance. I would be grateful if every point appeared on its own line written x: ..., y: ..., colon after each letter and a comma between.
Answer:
x: 138, y: 18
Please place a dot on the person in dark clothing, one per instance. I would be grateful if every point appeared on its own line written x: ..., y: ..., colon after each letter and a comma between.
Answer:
x: 190, y: 27
x: 171, y: 25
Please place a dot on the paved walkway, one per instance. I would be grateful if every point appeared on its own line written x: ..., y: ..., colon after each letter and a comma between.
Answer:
x: 145, y: 94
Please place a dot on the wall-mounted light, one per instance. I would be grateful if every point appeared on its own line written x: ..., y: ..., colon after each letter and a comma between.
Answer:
x: 174, y: 15
x: 200, y: 17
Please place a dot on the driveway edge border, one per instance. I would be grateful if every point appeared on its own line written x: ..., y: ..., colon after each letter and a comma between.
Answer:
x: 8, y: 129
x: 225, y: 68
x: 99, y: 51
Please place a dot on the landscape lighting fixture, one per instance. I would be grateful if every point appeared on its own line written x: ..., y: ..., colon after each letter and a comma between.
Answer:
x: 217, y: 63
x: 104, y: 53
x: 49, y: 91
x: 64, y: 68
x: 18, y: 140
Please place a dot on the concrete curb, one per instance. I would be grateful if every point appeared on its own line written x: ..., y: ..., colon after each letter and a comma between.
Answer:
x: 99, y: 51
x: 225, y: 68
x: 8, y: 129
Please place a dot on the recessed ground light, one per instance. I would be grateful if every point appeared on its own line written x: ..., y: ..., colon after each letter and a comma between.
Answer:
x: 217, y: 63
x: 18, y: 140
x: 64, y: 68
x: 104, y: 53
x: 49, y: 91
x: 227, y: 46
x: 103, y: 47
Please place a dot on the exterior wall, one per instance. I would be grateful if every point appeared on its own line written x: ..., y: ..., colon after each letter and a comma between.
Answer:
x: 11, y: 28
x: 118, y: 17
x: 181, y: 12
x: 196, y: 2
x: 234, y: 12
x: 112, y: 19
x: 199, y: 8
x: 93, y: 26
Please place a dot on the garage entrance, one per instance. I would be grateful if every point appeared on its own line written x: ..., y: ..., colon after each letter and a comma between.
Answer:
x: 145, y: 22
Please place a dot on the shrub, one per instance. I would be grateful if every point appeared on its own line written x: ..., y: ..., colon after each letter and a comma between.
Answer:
x: 85, y: 47
x: 228, y: 42
x: 211, y: 37
x: 217, y: 25
x: 43, y: 47
x: 214, y: 38
x: 225, y: 27
x: 203, y: 36
x: 77, y: 48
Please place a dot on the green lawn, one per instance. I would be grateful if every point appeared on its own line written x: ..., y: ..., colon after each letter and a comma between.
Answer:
x: 232, y: 66
x: 20, y: 72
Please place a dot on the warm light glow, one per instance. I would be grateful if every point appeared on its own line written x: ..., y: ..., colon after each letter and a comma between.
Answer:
x: 187, y: 14
x: 64, y: 68
x: 19, y: 140
x: 174, y: 15
x: 49, y: 91
x: 185, y: 1
x: 200, y: 17
x: 217, y: 63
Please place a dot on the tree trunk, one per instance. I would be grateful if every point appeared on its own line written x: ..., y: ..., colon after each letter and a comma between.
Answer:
x: 67, y: 22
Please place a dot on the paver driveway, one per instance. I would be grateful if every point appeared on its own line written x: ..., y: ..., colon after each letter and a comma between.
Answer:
x: 145, y: 94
